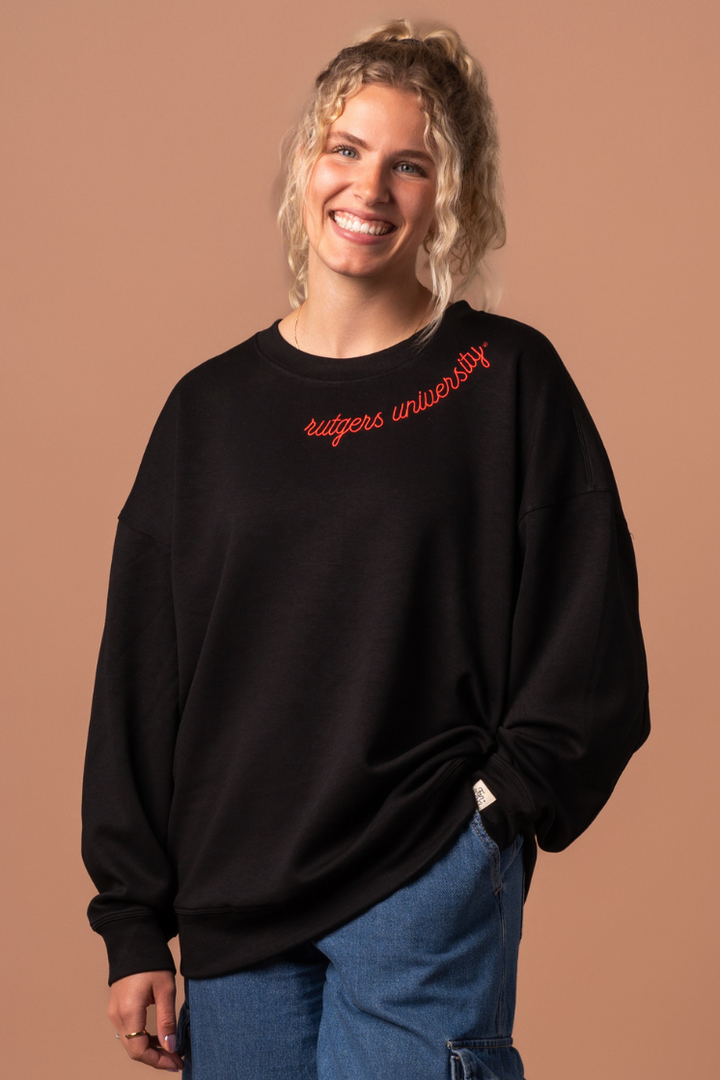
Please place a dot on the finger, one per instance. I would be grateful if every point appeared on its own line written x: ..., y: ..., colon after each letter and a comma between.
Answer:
x: 140, y: 1044
x: 130, y: 1022
x: 157, y: 1058
x: 135, y: 1045
x: 166, y: 1054
x: 164, y: 995
x: 147, y: 1050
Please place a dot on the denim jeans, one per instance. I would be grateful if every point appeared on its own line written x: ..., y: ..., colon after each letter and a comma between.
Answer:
x: 420, y: 987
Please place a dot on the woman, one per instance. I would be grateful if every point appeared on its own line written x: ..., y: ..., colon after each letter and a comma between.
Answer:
x: 372, y: 629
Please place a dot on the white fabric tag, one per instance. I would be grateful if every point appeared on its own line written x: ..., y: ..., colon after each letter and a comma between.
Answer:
x: 483, y: 795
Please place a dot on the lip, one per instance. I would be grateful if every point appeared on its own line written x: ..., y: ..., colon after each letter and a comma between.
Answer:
x: 361, y: 238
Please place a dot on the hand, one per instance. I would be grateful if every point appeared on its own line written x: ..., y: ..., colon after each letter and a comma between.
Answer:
x: 129, y: 1000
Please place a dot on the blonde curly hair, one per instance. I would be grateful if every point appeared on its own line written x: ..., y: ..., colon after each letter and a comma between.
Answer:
x: 460, y: 133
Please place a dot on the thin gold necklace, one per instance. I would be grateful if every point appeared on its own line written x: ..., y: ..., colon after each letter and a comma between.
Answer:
x: 297, y: 316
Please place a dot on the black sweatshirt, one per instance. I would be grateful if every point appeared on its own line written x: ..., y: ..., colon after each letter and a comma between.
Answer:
x: 343, y: 590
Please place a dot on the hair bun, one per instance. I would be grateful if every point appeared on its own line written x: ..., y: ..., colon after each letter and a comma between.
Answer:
x: 441, y: 39
x: 395, y: 30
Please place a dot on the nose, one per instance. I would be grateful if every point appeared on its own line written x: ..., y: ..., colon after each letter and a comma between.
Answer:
x: 371, y: 183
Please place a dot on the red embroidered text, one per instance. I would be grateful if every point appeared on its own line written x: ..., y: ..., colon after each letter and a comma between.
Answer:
x: 343, y: 425
x: 466, y: 364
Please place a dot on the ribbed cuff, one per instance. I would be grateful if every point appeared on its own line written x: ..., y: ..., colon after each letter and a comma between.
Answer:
x: 135, y: 944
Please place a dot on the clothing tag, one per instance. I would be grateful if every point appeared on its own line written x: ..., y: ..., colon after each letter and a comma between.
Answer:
x: 483, y: 795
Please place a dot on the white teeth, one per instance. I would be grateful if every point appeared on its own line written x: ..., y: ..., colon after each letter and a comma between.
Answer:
x: 354, y: 224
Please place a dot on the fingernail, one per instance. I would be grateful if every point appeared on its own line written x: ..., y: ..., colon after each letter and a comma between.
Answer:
x: 171, y: 1041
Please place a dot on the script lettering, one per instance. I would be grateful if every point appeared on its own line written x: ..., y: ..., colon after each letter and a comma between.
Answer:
x: 463, y: 369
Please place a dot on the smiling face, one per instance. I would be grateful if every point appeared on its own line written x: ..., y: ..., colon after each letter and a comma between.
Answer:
x: 370, y: 200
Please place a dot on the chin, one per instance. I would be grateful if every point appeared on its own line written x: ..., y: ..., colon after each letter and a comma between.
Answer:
x: 354, y: 267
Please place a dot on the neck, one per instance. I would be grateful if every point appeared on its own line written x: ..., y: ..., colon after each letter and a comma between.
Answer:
x: 345, y: 316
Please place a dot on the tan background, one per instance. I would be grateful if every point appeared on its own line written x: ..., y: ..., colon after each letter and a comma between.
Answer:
x: 140, y: 142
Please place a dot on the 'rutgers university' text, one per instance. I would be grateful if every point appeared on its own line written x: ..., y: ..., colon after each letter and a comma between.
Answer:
x: 343, y: 425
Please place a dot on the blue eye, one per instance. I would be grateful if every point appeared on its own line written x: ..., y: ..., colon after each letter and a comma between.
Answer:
x: 409, y: 168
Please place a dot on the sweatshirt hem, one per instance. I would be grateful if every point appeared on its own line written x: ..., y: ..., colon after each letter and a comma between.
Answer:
x: 228, y: 940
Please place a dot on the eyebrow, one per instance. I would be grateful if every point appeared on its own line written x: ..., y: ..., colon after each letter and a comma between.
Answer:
x: 345, y: 136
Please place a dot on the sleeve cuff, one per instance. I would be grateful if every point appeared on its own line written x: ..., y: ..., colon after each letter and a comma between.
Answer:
x: 135, y: 944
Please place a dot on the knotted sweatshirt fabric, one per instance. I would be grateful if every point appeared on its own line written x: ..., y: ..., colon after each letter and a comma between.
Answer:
x: 342, y: 591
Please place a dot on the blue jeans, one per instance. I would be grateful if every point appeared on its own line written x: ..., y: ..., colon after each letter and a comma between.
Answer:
x: 420, y: 987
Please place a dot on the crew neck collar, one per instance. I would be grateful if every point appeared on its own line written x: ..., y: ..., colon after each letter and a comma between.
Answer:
x: 273, y: 347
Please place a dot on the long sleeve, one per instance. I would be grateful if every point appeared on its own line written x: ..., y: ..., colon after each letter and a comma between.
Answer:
x: 577, y: 700
x: 128, y: 778
x: 577, y: 696
x: 128, y: 770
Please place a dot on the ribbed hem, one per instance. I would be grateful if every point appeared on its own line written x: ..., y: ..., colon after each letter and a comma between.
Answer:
x: 134, y: 944
x: 220, y: 943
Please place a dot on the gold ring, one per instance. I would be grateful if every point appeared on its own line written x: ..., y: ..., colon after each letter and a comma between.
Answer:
x: 136, y: 1034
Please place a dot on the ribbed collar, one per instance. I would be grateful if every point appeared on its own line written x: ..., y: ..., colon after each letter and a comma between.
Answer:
x: 273, y: 347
